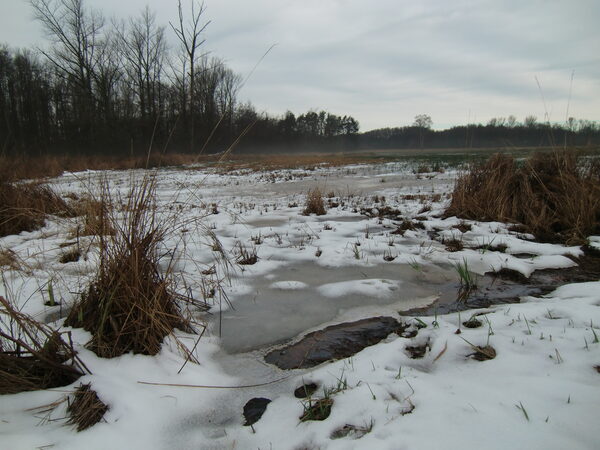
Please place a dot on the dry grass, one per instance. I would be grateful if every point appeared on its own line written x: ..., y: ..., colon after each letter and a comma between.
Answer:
x: 131, y: 305
x: 23, y: 207
x: 33, y: 356
x: 555, y: 196
x: 86, y: 409
x: 96, y: 214
x: 27, y: 168
x: 260, y: 162
x: 314, y: 203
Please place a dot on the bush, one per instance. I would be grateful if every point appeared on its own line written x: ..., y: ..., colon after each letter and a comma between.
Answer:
x: 554, y: 196
x: 23, y: 207
x: 130, y: 305
x: 314, y: 203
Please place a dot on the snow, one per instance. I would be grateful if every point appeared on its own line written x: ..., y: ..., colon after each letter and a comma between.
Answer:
x: 540, y: 391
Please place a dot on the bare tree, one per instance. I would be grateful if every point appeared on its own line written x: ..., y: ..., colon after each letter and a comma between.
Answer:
x: 76, y: 34
x: 142, y: 46
x: 190, y: 35
x: 423, y: 122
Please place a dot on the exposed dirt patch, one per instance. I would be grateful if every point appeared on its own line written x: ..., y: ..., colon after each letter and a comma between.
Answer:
x: 350, y: 431
x: 317, y: 410
x: 501, y: 248
x: 407, y: 225
x: 334, y: 342
x: 70, y: 256
x: 382, y: 211
x: 417, y: 351
x: 453, y: 245
x: 463, y: 227
x: 483, y: 353
x: 472, y: 323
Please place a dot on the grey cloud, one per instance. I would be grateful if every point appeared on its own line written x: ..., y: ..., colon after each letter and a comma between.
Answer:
x: 388, y: 60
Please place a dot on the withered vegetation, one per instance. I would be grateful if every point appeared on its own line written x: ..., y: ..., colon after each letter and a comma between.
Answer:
x: 32, y: 355
x: 24, y: 206
x: 131, y: 305
x: 314, y: 203
x: 85, y: 409
x: 555, y: 196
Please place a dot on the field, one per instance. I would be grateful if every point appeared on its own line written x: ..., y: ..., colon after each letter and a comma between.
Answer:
x: 186, y: 292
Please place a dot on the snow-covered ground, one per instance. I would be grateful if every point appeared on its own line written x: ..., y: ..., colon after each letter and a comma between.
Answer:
x: 540, y: 391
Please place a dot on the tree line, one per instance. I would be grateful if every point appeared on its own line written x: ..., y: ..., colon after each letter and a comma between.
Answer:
x: 117, y: 87
x: 498, y: 132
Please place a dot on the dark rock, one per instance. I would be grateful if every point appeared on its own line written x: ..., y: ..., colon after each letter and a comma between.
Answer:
x: 254, y: 409
x: 334, y: 342
x: 306, y: 390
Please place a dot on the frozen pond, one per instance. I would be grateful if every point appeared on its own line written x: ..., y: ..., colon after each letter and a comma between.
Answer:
x: 295, y: 298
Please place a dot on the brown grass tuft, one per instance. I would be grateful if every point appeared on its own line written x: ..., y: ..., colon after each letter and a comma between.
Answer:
x: 23, y: 207
x: 314, y: 203
x: 554, y: 196
x: 33, y: 356
x: 131, y: 305
x: 86, y: 409
x: 96, y: 215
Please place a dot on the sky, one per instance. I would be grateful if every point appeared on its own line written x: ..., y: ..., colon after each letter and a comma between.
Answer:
x: 385, y: 61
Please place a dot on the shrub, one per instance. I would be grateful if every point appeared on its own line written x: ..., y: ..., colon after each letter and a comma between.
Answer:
x: 23, y: 207
x: 314, y: 203
x: 554, y: 196
x: 131, y: 305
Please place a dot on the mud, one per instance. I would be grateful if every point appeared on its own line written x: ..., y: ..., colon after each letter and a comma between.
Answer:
x: 334, y: 342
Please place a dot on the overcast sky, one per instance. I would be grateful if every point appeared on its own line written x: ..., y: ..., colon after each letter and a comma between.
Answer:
x: 385, y: 61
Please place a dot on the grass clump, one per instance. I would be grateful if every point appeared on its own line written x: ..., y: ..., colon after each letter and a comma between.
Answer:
x: 319, y: 409
x: 131, y: 305
x: 95, y: 213
x: 314, y: 203
x: 86, y: 409
x: 24, y: 206
x: 33, y: 356
x: 555, y: 196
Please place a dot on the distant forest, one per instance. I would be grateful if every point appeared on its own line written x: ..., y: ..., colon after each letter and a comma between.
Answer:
x: 109, y: 87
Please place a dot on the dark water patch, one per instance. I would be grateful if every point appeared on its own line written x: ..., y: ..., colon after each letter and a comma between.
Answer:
x: 334, y: 342
x: 508, y: 286
x: 524, y: 255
